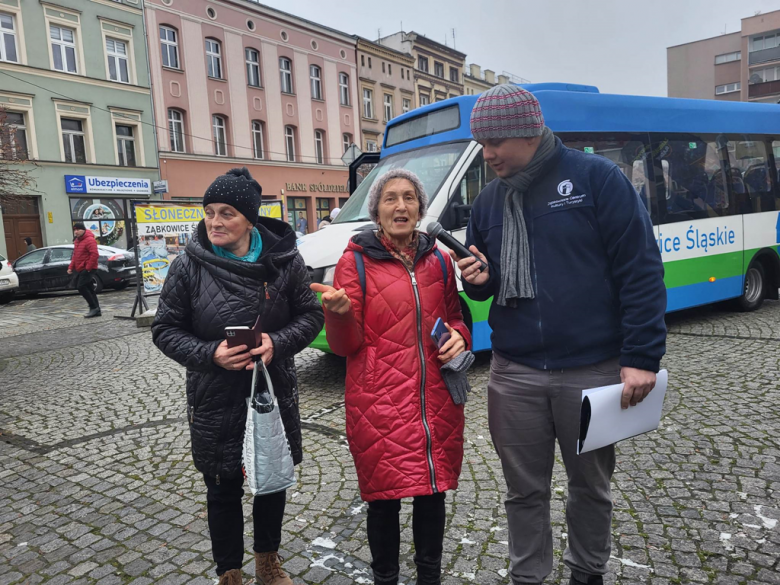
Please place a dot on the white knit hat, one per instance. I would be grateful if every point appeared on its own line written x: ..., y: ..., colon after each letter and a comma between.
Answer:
x: 379, y: 185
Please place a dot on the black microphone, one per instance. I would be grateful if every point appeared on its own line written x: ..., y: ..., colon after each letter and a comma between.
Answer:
x: 436, y: 231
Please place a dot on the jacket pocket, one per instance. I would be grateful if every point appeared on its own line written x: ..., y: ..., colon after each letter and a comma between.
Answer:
x: 370, y: 368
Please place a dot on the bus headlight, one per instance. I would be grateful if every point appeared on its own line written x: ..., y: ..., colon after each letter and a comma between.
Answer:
x: 327, y: 278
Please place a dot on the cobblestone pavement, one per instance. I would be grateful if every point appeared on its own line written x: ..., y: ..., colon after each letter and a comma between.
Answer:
x: 97, y: 483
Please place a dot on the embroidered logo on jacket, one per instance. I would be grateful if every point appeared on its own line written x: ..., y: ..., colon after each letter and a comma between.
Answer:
x: 565, y: 188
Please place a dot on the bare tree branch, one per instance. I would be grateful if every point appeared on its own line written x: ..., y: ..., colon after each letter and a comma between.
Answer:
x: 16, y: 169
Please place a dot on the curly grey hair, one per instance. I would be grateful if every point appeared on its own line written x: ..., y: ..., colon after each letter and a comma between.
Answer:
x: 379, y: 185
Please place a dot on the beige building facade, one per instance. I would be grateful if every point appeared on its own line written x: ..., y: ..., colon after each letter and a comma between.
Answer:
x: 477, y: 81
x: 438, y: 69
x: 386, y: 89
x: 741, y: 66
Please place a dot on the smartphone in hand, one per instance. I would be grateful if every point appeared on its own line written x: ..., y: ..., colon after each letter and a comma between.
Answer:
x: 440, y: 334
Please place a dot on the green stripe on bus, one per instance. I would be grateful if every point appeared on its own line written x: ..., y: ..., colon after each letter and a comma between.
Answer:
x: 695, y: 270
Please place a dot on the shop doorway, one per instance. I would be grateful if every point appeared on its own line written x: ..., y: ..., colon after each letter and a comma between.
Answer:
x: 21, y: 219
x: 297, y: 215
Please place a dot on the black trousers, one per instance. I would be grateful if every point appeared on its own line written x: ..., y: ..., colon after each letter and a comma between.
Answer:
x: 384, y: 538
x: 84, y: 286
x: 226, y: 521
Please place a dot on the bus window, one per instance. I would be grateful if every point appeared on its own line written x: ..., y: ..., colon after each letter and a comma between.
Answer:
x: 628, y: 151
x: 750, y: 169
x: 691, y: 174
x: 465, y: 192
x: 776, y: 152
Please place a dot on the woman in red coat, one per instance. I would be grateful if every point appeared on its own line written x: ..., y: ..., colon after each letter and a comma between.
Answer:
x: 405, y: 431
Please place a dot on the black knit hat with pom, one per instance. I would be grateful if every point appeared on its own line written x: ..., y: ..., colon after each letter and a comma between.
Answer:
x: 236, y: 188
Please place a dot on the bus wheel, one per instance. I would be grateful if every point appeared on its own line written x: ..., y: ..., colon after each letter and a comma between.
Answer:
x: 755, y: 287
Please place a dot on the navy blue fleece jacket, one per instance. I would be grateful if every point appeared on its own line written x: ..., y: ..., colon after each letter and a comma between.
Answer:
x: 596, y: 269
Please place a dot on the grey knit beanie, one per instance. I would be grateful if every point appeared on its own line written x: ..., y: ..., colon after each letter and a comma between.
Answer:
x: 379, y: 184
x: 506, y: 111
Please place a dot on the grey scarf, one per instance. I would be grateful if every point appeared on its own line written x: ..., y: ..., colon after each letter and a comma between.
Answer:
x: 516, y: 280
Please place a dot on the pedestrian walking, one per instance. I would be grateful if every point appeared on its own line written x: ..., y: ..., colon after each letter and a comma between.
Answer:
x: 578, y: 302
x: 84, y: 264
x: 30, y: 246
x: 302, y: 224
x: 404, y: 428
x: 238, y: 265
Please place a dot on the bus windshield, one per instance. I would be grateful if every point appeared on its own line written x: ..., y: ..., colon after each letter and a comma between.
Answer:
x: 432, y: 164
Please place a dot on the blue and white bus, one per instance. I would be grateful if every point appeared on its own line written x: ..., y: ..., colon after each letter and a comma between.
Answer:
x: 706, y: 170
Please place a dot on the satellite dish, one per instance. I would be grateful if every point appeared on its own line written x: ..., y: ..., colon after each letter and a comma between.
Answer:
x: 755, y: 78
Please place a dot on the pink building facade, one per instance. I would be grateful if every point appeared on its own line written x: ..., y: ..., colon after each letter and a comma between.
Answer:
x: 235, y: 83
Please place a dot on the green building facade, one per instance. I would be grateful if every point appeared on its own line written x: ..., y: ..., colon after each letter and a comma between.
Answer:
x: 76, y: 117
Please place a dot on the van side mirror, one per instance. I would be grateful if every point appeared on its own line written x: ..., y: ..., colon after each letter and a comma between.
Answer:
x: 462, y: 214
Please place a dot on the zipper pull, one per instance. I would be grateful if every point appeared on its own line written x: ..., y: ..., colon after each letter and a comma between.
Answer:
x: 217, y: 480
x: 414, y: 280
x: 267, y: 296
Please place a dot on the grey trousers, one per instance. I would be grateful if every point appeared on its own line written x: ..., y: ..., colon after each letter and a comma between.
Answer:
x: 527, y: 410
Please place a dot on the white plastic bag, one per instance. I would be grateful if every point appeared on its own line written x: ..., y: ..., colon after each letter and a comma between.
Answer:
x: 268, y: 463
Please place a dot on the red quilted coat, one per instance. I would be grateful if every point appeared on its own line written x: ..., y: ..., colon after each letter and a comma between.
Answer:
x: 404, y: 430
x: 85, y: 253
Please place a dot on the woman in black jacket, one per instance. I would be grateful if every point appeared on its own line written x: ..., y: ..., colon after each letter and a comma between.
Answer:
x: 236, y: 267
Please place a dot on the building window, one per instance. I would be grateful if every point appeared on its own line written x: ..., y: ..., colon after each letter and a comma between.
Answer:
x: 289, y: 142
x: 125, y: 146
x: 728, y: 57
x: 257, y: 138
x: 368, y: 103
x: 8, y: 38
x: 214, y: 58
x: 319, y: 147
x: 454, y: 76
x: 285, y: 70
x: 422, y: 64
x: 362, y: 60
x: 344, y: 89
x: 388, y: 103
x: 424, y: 99
x: 438, y: 69
x: 252, y: 67
x: 63, y: 48
x: 220, y: 138
x: 323, y: 209
x: 407, y: 105
x: 73, y: 141
x: 170, y: 47
x: 13, y: 136
x: 389, y: 69
x: 764, y: 42
x: 346, y: 140
x: 371, y: 146
x: 383, y: 67
x: 728, y: 88
x: 118, y: 69
x: 763, y: 75
x: 369, y: 62
x: 315, y: 75
x: 176, y: 130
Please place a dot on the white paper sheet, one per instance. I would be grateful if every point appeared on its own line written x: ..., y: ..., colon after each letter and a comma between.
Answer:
x: 609, y: 423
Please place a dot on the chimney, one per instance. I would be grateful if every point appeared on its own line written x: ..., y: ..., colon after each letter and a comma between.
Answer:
x: 490, y: 76
x: 503, y: 79
x: 475, y: 70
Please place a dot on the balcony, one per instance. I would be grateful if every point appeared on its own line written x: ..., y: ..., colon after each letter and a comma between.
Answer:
x: 764, y: 56
x: 757, y: 90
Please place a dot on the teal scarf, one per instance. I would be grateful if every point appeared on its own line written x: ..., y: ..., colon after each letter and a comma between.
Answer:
x: 255, y: 248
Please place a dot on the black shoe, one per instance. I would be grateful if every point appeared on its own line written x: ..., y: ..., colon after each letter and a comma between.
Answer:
x: 592, y: 580
x: 93, y: 313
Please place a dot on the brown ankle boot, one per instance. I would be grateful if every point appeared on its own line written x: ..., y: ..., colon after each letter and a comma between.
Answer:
x: 268, y: 570
x: 231, y: 577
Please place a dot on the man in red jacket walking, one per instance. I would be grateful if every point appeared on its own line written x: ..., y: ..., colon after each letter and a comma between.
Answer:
x: 84, y: 263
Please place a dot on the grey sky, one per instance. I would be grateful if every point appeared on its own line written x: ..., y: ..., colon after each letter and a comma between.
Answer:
x: 618, y: 45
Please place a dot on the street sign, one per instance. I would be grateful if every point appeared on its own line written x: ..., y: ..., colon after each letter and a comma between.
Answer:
x: 353, y: 151
x: 161, y: 186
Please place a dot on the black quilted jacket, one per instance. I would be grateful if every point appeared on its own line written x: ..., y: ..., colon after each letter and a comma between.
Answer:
x: 202, y: 295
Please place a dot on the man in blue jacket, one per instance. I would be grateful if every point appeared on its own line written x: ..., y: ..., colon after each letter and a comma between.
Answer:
x: 578, y: 302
